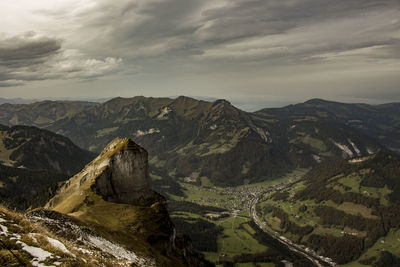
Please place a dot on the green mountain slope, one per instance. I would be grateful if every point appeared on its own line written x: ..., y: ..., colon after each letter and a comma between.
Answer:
x: 40, y: 114
x: 184, y: 135
x: 37, y: 149
x: 193, y: 138
x: 346, y: 210
x: 33, y: 161
x: 25, y: 188
x: 381, y: 122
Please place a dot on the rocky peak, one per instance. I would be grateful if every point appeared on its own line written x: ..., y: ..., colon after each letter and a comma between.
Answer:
x: 120, y: 174
x: 126, y: 177
x: 223, y: 101
x: 112, y: 196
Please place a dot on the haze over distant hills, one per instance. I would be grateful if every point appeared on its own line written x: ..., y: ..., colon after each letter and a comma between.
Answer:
x: 17, y: 100
x: 186, y: 136
x: 248, y: 105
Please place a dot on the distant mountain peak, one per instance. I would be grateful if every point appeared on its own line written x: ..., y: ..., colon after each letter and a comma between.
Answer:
x: 221, y: 101
x: 318, y: 101
x: 183, y: 97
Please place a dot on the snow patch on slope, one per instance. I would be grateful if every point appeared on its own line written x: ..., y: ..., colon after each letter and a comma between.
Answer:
x: 317, y: 158
x: 97, y: 242
x: 38, y: 254
x: 213, y: 127
x: 114, y: 249
x: 344, y: 148
x: 57, y: 244
x: 164, y: 112
x: 265, y: 135
x: 357, y: 160
x: 4, y: 229
x: 149, y: 131
x: 354, y: 147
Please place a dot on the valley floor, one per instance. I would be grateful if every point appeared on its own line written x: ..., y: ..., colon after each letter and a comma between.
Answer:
x: 237, y: 239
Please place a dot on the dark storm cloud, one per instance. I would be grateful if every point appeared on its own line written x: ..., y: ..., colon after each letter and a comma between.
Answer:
x: 27, y: 49
x: 300, y: 30
x: 24, y: 48
x: 142, y: 28
x: 297, y: 10
x: 241, y: 19
x: 32, y: 57
x: 297, y: 29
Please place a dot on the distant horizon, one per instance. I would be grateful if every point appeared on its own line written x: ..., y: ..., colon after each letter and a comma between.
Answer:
x: 243, y: 105
x: 250, y: 52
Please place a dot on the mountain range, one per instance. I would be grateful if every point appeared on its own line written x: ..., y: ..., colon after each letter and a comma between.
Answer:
x: 381, y: 122
x: 350, y: 149
x: 185, y: 136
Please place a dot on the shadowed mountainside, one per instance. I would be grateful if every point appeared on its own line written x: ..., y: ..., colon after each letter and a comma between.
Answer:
x: 188, y: 137
x: 32, y: 160
x: 344, y: 209
x: 381, y: 122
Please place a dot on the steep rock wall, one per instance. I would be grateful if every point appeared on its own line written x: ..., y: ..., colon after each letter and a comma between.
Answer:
x: 126, y: 178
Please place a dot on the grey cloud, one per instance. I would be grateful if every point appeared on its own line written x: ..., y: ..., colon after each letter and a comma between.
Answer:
x: 182, y: 29
x: 142, y: 22
x: 10, y: 83
x: 320, y: 24
x: 223, y: 30
x: 27, y: 49
x: 31, y: 57
x: 299, y: 10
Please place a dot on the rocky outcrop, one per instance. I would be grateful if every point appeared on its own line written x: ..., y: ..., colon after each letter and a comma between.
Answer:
x: 112, y: 196
x: 126, y: 178
x: 119, y: 175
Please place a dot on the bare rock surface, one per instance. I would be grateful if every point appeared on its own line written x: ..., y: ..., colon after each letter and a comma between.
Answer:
x: 126, y: 178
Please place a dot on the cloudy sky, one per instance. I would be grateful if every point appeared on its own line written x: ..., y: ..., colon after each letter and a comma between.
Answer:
x: 252, y: 52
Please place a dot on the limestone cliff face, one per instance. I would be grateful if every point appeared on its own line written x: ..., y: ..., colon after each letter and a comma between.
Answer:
x: 126, y: 178
x: 112, y: 196
x: 120, y: 174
